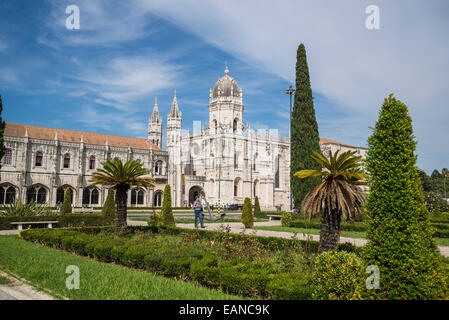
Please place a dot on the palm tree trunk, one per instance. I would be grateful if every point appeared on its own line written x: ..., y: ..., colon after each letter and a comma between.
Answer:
x: 121, y: 200
x: 330, y: 230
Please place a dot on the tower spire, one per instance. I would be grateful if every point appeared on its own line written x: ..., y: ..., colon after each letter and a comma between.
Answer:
x: 155, y: 116
x: 174, y: 111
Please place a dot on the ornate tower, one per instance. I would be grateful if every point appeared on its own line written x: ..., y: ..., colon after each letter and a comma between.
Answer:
x: 225, y: 105
x: 174, y: 127
x: 155, y: 127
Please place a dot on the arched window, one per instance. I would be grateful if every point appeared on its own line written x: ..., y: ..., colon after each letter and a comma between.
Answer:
x: 94, y: 196
x: 237, y: 187
x: 92, y: 163
x: 234, y: 126
x: 140, y: 196
x: 7, y: 159
x: 133, y: 197
x: 60, y: 194
x: 67, y: 161
x: 41, y: 196
x: 158, y: 167
x: 39, y: 158
x: 256, y: 188
x: 255, y: 161
x: 157, y: 201
x: 37, y: 194
x: 90, y: 196
x: 7, y: 194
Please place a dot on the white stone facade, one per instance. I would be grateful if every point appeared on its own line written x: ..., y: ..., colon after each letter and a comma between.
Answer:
x: 225, y: 158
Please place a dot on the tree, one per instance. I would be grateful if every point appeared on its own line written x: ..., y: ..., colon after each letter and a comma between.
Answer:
x: 67, y: 203
x: 338, y: 195
x: 2, y: 130
x: 257, y: 211
x: 426, y: 182
x: 167, y: 213
x: 121, y: 176
x: 400, y: 238
x: 304, y: 131
x: 247, y: 213
x: 108, y: 210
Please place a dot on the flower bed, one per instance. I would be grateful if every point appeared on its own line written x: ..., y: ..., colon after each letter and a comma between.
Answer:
x: 248, y: 266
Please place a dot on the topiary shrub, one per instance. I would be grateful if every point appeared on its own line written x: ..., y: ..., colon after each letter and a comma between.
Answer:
x: 257, y: 211
x: 399, y: 232
x: 67, y: 204
x: 108, y: 210
x: 337, y: 275
x: 286, y: 219
x: 167, y: 218
x: 247, y: 214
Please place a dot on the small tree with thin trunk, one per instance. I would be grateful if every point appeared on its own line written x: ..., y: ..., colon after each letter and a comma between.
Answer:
x: 67, y: 204
x: 247, y: 214
x: 167, y: 213
x: 121, y: 176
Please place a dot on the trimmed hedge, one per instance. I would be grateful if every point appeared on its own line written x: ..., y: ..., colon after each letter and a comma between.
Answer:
x: 67, y: 220
x: 238, y: 276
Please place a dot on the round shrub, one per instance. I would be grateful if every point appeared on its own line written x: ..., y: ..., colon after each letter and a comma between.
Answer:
x: 286, y: 219
x: 336, y: 276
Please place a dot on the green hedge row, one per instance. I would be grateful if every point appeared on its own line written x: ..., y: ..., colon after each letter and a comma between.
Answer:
x: 238, y: 276
x: 441, y: 229
x: 68, y: 220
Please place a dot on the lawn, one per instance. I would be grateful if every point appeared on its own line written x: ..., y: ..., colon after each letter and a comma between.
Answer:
x: 45, y: 268
x: 4, y: 280
x: 347, y: 234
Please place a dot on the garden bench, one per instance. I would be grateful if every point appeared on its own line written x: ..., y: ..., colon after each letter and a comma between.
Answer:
x: 274, y: 217
x: 21, y: 223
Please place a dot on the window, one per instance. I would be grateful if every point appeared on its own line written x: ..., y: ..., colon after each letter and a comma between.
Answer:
x: 7, y: 159
x: 236, y: 163
x: 90, y: 196
x: 157, y: 201
x: 158, y: 168
x: 67, y: 161
x: 92, y: 163
x: 60, y: 194
x: 237, y: 187
x: 7, y: 194
x: 39, y: 157
x: 37, y: 194
x: 234, y: 126
x: 137, y: 196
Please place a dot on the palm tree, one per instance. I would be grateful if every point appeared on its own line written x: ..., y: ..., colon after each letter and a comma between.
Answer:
x: 337, y: 196
x: 121, y: 176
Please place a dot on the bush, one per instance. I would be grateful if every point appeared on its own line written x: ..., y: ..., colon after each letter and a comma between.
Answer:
x: 257, y: 212
x: 435, y: 203
x: 247, y: 214
x: 286, y: 219
x: 167, y: 218
x: 336, y: 276
x: 19, y: 209
x: 67, y: 204
x: 108, y: 210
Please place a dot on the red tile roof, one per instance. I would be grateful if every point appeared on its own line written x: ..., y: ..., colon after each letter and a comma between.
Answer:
x: 44, y: 133
x: 329, y: 141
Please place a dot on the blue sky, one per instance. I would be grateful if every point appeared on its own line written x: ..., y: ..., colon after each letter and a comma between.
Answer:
x: 104, y: 77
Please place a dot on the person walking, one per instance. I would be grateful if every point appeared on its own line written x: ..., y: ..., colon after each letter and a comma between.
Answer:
x: 198, y: 209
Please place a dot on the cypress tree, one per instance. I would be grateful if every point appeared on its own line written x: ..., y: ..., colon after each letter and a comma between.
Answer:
x: 257, y: 211
x: 67, y: 204
x: 108, y: 210
x: 166, y: 213
x: 400, y: 237
x: 304, y: 137
x: 2, y: 129
x: 247, y: 214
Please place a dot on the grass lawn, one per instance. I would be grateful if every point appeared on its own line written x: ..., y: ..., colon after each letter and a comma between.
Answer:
x: 175, y: 212
x: 347, y: 234
x: 45, y: 268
